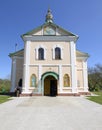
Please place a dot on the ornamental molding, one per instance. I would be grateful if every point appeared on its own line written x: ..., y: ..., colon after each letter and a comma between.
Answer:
x: 50, y: 38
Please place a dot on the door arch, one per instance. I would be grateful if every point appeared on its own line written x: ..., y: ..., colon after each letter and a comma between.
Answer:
x: 49, y: 83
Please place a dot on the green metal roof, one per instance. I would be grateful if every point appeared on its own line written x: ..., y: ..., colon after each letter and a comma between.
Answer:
x: 82, y: 54
x: 17, y: 53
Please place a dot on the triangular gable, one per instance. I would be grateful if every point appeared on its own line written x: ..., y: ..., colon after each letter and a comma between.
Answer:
x: 59, y: 30
x: 34, y: 31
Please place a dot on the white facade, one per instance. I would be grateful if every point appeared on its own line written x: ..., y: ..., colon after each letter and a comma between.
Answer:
x: 50, y: 63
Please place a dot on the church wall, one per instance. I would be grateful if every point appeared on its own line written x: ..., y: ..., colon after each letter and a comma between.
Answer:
x: 45, y: 68
x: 80, y: 78
x: 50, y: 68
x: 33, y: 70
x: 49, y: 53
x: 79, y: 64
x: 46, y: 64
x: 19, y: 69
x: 67, y: 90
x: 66, y: 70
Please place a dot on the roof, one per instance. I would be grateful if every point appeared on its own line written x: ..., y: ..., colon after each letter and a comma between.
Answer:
x: 49, y: 22
x: 19, y: 53
x: 81, y: 54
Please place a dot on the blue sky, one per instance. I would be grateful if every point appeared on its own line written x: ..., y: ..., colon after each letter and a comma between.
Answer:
x: 82, y: 17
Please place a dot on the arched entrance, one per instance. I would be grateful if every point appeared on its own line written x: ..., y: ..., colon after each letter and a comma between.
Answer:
x: 50, y: 86
x: 49, y: 81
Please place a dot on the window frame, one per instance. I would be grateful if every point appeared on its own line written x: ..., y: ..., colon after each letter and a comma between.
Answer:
x: 66, y: 77
x: 40, y: 53
x: 61, y: 52
x: 37, y: 52
x: 57, y: 53
x: 33, y: 76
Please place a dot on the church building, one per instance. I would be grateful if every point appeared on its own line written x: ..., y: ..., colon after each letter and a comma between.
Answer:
x: 49, y: 64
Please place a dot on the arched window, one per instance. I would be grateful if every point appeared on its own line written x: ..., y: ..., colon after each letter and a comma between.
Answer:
x: 66, y: 80
x: 57, y: 53
x: 33, y: 80
x: 41, y: 54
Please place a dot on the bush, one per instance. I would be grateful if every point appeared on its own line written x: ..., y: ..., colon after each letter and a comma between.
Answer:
x: 5, y: 86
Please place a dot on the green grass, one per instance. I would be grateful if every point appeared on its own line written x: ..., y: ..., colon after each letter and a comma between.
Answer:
x: 4, y: 98
x: 97, y: 99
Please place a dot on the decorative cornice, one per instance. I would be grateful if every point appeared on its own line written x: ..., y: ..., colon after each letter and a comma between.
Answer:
x: 49, y: 38
x: 82, y: 58
x: 52, y: 65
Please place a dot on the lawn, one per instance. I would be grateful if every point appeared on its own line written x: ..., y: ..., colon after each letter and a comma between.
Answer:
x: 97, y: 98
x: 4, y: 98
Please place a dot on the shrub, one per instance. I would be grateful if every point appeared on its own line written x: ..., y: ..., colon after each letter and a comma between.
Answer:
x: 5, y: 86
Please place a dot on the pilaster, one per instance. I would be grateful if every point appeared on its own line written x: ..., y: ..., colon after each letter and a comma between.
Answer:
x: 26, y: 77
x: 53, y: 53
x: 39, y: 76
x: 13, y: 75
x: 85, y: 76
x: 73, y: 66
x: 60, y: 78
x: 36, y: 53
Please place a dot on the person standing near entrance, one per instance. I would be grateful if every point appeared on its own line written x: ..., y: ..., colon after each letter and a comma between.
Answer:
x: 18, y: 89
